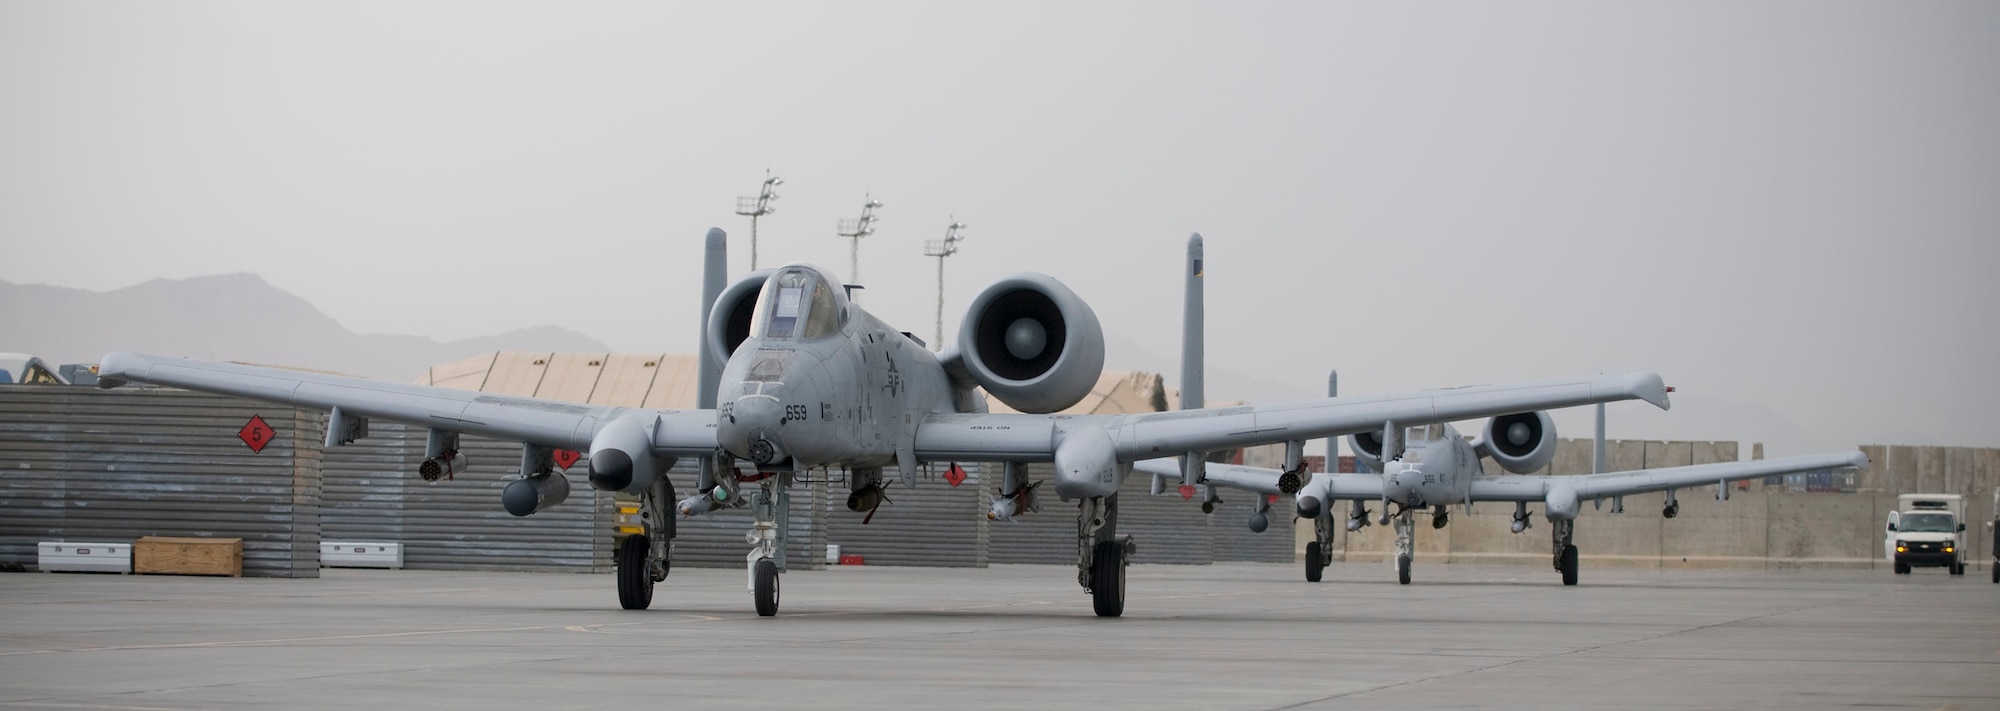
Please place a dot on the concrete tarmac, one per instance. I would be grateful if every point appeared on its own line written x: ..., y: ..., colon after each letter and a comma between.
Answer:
x: 1226, y: 636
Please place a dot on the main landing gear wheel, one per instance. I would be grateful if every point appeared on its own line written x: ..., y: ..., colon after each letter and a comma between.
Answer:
x: 1569, y: 565
x: 635, y: 581
x: 1403, y: 569
x: 1315, y: 565
x: 1107, y: 579
x: 767, y: 588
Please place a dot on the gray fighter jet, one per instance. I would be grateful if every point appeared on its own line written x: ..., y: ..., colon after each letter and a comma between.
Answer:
x: 1431, y: 465
x: 812, y: 382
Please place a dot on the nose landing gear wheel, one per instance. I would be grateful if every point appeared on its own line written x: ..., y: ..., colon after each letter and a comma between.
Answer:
x: 1403, y: 569
x: 1107, y: 579
x: 1569, y: 565
x: 1315, y: 565
x: 635, y: 582
x: 767, y: 588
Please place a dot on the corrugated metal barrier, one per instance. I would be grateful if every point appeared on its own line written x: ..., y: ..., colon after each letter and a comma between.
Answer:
x: 80, y: 464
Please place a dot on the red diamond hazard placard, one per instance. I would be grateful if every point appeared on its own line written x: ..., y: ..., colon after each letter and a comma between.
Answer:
x: 1187, y: 492
x: 256, y: 433
x: 566, y: 457
x: 954, y: 476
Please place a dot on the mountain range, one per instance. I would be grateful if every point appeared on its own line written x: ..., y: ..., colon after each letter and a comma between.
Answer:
x: 236, y: 317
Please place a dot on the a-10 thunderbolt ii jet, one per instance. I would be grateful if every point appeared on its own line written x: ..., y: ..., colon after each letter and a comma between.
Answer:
x: 1432, y: 467
x: 814, y: 382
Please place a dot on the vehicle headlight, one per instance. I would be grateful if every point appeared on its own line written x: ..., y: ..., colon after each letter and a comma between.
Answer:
x: 1949, y: 549
x: 1902, y: 547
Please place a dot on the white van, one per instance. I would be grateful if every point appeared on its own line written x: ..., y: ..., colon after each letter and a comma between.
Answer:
x: 1926, y: 530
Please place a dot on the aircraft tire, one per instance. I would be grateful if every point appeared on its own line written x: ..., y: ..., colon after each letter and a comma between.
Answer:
x: 1569, y: 565
x: 1315, y: 563
x: 1107, y: 579
x: 766, y: 587
x: 1403, y: 570
x: 635, y: 582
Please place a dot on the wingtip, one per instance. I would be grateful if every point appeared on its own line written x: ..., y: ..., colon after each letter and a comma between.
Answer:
x: 1651, y: 388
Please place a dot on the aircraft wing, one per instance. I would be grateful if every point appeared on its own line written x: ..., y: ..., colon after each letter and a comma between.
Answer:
x: 543, y: 422
x: 1265, y: 481
x: 1640, y: 481
x: 1028, y: 438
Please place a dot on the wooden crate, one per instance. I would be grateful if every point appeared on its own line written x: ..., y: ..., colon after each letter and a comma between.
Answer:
x: 159, y: 555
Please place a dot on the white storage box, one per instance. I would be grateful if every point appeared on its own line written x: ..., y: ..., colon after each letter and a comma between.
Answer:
x: 83, y: 557
x: 360, y: 554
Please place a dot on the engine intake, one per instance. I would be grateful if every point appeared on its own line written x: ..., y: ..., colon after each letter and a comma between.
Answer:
x: 1367, y: 448
x: 1032, y: 343
x: 1520, y: 443
x: 729, y: 321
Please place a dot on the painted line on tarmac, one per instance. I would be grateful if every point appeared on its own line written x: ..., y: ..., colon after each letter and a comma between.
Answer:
x: 332, y: 638
x: 94, y: 707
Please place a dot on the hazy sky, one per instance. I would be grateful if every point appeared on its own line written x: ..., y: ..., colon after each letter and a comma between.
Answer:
x: 1792, y: 206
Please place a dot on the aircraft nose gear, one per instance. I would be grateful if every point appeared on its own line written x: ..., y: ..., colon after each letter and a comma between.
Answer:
x: 1406, y: 544
x: 771, y: 509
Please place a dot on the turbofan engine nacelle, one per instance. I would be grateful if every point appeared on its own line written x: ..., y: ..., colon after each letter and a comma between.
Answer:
x: 1032, y: 343
x: 729, y: 320
x: 1367, y: 448
x: 621, y: 455
x: 1520, y: 443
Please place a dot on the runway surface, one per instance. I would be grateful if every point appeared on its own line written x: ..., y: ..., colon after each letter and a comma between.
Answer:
x: 1226, y: 636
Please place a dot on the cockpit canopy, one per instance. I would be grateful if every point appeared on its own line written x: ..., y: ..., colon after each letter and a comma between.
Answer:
x: 799, y: 302
x: 1417, y: 438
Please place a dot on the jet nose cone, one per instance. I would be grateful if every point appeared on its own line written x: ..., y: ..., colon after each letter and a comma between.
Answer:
x: 764, y: 448
x: 750, y: 430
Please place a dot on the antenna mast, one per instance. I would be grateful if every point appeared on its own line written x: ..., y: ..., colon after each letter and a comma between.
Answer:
x: 941, y: 249
x: 854, y: 230
x: 759, y: 206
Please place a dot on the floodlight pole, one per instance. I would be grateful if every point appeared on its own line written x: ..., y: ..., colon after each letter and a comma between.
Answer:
x: 941, y: 249
x: 854, y: 230
x: 759, y: 206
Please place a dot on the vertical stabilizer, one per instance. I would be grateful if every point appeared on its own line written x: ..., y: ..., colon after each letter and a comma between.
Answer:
x: 714, y: 277
x: 1192, y: 337
x: 1333, y: 443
